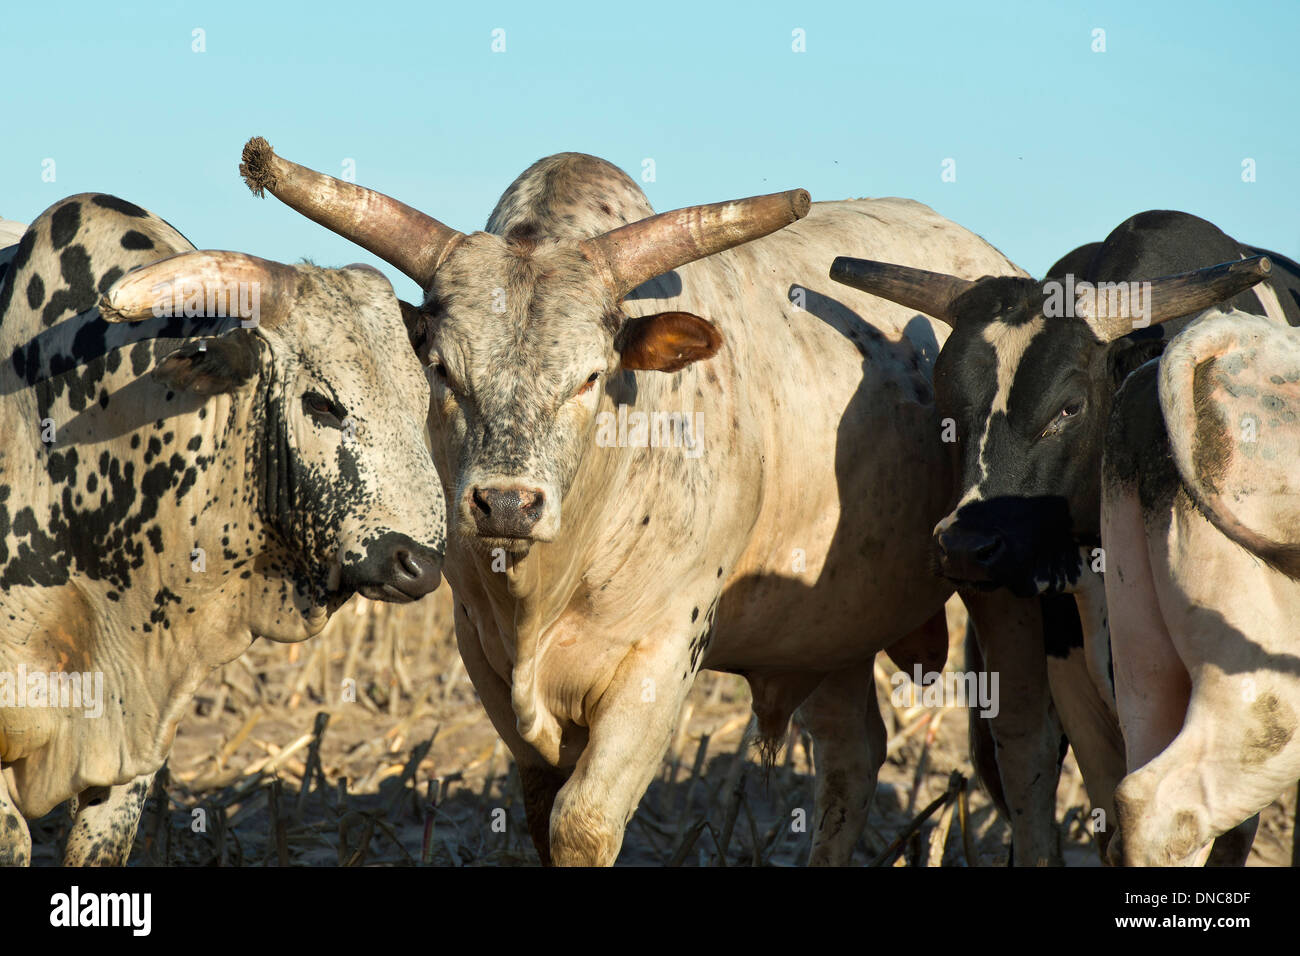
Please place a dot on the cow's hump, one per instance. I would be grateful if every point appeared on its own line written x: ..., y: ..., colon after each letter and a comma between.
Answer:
x: 569, y: 196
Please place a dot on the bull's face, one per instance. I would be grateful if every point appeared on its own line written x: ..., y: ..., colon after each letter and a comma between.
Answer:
x: 349, y: 481
x: 523, y: 339
x: 1028, y: 397
x: 523, y: 333
x: 324, y: 406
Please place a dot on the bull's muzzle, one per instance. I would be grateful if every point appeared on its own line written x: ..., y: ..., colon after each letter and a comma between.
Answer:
x: 969, y: 555
x: 395, y: 568
x: 507, y: 512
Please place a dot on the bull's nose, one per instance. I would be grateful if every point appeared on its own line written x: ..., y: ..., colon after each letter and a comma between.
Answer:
x: 395, y: 568
x: 966, y: 555
x: 416, y: 571
x: 506, y: 512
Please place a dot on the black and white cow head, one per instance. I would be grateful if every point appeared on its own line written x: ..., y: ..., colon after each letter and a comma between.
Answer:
x: 282, y: 431
x: 320, y: 388
x: 524, y: 333
x: 1023, y: 386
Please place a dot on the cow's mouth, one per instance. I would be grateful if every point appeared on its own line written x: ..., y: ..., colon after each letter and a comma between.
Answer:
x: 1021, y: 581
x: 384, y: 592
x: 977, y: 587
x: 513, y: 546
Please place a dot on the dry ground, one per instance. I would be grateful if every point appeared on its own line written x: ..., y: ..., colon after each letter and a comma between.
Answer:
x: 408, y: 770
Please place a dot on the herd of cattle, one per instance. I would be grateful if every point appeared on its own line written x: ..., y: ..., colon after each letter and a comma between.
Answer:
x: 204, y: 447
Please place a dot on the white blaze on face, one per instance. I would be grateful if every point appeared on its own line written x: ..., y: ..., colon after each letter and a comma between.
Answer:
x: 1009, y: 345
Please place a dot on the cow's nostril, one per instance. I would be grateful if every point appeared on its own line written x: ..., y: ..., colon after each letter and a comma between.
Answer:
x: 407, y: 563
x: 947, y: 544
x: 988, y: 549
x: 414, y: 573
x: 480, y: 501
x: 531, y: 502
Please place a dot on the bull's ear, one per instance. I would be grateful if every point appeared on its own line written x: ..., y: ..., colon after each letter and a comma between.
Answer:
x: 210, y: 366
x: 417, y: 329
x: 1127, y: 354
x: 667, y: 341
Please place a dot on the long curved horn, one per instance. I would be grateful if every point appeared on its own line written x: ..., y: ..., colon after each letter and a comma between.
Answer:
x: 930, y: 292
x: 650, y: 247
x: 1171, y: 297
x: 228, y: 284
x: 398, y: 234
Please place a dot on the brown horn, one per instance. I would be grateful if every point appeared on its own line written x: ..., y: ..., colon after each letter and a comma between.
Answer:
x: 1172, y: 297
x: 930, y: 292
x: 398, y: 234
x: 227, y: 280
x: 642, y: 250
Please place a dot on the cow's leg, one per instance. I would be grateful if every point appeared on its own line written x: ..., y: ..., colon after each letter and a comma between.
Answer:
x: 1094, y: 736
x: 1233, y: 847
x: 1088, y: 718
x: 15, y: 838
x: 1152, y: 686
x: 540, y: 781
x: 1025, y: 730
x: 843, y: 717
x: 104, y: 824
x: 1237, y: 750
x: 631, y: 726
x: 1201, y: 786
x: 983, y: 749
x: 1211, y: 746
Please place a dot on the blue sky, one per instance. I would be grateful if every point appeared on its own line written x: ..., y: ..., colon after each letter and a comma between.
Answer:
x: 1054, y: 144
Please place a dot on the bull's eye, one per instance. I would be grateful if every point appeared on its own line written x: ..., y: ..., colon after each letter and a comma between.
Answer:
x: 1067, y: 412
x: 586, y: 386
x: 323, y: 409
x: 441, y: 374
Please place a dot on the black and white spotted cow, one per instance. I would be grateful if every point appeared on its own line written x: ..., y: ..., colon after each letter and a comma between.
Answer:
x: 594, y: 573
x: 1199, y: 512
x: 199, y: 448
x: 1028, y: 388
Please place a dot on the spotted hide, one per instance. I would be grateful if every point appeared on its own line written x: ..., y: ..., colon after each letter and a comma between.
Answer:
x: 1198, y: 515
x: 172, y: 486
x: 598, y: 562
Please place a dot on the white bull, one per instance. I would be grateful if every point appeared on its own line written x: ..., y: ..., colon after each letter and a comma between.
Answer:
x: 596, y: 572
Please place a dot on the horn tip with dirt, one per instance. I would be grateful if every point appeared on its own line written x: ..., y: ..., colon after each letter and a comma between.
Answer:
x: 800, y: 202
x: 107, y: 312
x: 257, y: 165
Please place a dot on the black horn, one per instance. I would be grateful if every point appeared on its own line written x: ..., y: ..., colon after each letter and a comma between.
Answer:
x: 932, y: 293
